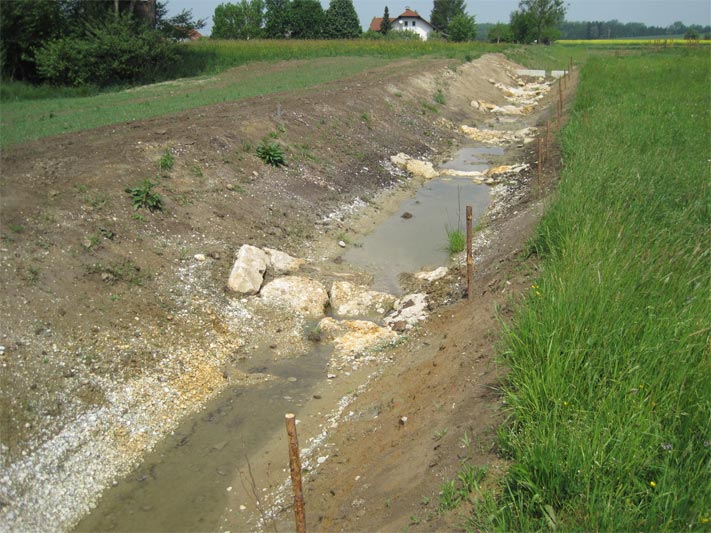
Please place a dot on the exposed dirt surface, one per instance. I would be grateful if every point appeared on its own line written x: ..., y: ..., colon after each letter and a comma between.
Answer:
x: 115, y: 322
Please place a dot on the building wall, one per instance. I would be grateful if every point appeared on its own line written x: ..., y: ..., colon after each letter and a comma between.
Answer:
x: 420, y: 26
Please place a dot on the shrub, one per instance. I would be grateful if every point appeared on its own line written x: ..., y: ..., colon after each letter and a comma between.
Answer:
x: 144, y: 196
x: 115, y: 51
x: 456, y: 240
x: 271, y: 153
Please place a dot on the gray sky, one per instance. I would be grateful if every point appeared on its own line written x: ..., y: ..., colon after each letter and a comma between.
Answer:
x: 651, y: 12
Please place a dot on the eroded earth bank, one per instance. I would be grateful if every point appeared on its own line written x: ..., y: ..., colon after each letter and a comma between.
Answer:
x: 139, y: 361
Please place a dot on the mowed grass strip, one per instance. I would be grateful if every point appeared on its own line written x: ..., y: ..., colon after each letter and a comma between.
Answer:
x: 610, y: 368
x: 25, y: 115
x: 33, y: 119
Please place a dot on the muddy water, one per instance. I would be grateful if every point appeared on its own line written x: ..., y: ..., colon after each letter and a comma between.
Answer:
x: 415, y: 237
x: 183, y: 484
x: 194, y: 479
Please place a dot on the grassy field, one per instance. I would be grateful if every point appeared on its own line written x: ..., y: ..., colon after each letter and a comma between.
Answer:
x: 29, y: 113
x: 609, y: 388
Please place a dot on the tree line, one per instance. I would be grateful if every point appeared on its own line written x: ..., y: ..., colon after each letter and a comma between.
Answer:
x: 90, y: 42
x: 515, y: 31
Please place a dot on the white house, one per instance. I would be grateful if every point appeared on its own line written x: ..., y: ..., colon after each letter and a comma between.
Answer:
x: 409, y: 20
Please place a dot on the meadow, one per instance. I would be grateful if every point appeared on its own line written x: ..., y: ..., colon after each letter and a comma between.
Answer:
x: 206, y: 78
x: 608, y: 392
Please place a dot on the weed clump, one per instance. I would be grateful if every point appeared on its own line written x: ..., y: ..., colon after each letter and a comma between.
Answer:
x: 456, y: 241
x: 144, y: 197
x: 271, y: 153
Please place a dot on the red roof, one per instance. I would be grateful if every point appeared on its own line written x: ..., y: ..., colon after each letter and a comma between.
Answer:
x: 376, y: 22
x: 410, y: 13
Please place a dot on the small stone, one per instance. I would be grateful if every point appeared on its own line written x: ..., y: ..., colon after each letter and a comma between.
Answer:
x: 317, y: 396
x: 229, y: 489
x: 406, y: 215
x: 331, y: 376
x: 322, y: 460
x: 292, y: 380
x: 230, y: 187
x: 342, y: 244
x: 403, y: 420
x: 242, y: 507
x: 200, y: 257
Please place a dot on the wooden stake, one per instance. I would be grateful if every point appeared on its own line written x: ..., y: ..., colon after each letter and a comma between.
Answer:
x: 295, y: 467
x: 470, y: 259
x: 540, y: 163
x: 548, y: 138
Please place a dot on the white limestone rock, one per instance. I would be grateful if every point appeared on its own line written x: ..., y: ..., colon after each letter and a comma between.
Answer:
x: 350, y: 300
x: 409, y: 310
x: 433, y: 275
x: 247, y: 273
x: 351, y: 337
x: 300, y: 295
x: 280, y: 263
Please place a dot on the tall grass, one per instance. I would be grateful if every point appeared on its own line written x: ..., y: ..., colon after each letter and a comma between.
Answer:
x: 610, y: 381
x: 208, y: 56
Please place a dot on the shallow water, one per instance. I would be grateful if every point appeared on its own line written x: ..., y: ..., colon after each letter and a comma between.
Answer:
x: 182, y: 484
x: 420, y: 243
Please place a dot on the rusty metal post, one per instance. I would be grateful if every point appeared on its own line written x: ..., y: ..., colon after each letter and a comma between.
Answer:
x: 548, y: 138
x: 470, y: 259
x: 540, y: 163
x: 295, y: 468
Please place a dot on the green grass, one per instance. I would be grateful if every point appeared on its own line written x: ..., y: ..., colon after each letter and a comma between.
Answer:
x: 30, y: 113
x: 456, y: 240
x: 609, y: 387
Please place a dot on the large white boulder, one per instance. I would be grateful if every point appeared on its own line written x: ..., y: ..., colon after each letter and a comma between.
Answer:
x: 432, y: 275
x: 348, y: 299
x: 280, y: 263
x: 300, y: 295
x: 247, y: 273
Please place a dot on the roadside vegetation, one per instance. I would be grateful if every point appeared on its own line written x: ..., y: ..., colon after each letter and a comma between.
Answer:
x: 608, y: 389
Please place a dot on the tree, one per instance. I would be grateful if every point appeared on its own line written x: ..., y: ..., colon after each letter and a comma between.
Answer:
x: 277, y: 19
x: 24, y: 25
x: 386, y: 24
x: 500, y: 33
x: 691, y: 35
x: 341, y: 20
x: 179, y: 27
x: 462, y: 28
x: 307, y: 19
x: 238, y: 21
x: 443, y: 11
x: 537, y: 20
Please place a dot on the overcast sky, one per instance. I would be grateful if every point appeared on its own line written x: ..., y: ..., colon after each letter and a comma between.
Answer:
x: 650, y: 12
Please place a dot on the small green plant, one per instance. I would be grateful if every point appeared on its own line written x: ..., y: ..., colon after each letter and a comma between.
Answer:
x: 139, y: 217
x: 197, y: 171
x: 439, y: 97
x: 271, y: 153
x: 144, y: 197
x: 439, y: 435
x: 16, y: 228
x: 166, y: 161
x: 32, y: 275
x: 247, y: 146
x: 456, y: 240
x: 281, y: 128
x: 428, y: 107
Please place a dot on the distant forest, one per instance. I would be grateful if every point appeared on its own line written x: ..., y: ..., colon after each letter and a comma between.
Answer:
x: 614, y: 29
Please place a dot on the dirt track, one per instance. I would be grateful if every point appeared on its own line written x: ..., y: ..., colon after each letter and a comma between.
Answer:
x: 95, y: 300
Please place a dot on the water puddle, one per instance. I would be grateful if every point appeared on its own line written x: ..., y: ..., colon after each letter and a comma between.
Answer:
x: 415, y: 237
